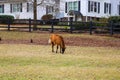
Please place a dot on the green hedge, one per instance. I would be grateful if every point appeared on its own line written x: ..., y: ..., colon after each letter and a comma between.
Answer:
x: 5, y: 18
x: 76, y: 25
x: 81, y: 25
x: 115, y: 19
x: 116, y: 22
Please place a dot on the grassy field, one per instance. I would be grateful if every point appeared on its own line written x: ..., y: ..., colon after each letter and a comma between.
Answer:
x: 37, y: 62
x: 18, y: 26
x: 27, y: 35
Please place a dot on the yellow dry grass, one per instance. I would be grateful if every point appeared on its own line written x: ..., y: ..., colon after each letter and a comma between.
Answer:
x: 37, y: 62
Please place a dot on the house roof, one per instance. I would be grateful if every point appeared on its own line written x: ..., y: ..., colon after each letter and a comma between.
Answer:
x: 73, y: 12
x: 9, y: 1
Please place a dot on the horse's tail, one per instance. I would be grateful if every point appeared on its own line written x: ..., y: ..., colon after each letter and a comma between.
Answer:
x: 49, y: 41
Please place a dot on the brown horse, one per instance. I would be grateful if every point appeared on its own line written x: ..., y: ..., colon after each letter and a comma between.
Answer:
x: 57, y: 40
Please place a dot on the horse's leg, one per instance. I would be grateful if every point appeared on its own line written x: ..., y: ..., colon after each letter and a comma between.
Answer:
x: 60, y: 49
x: 57, y: 49
x: 52, y: 47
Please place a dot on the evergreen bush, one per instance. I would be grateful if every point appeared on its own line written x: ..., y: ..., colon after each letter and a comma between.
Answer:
x: 4, y: 19
x: 115, y: 19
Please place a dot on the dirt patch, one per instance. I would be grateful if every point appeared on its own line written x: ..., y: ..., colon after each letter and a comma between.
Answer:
x: 92, y: 42
x: 69, y: 41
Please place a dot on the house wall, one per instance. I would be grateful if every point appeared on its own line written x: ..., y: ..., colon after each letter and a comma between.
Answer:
x: 24, y: 14
x: 101, y: 14
x: 84, y: 10
x: 61, y: 9
x: 86, y: 14
x: 114, y: 6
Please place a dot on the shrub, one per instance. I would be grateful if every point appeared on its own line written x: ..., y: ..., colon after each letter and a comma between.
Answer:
x: 81, y: 25
x: 63, y: 23
x: 104, y: 20
x: 47, y: 17
x: 5, y: 18
x: 115, y: 19
x: 116, y: 22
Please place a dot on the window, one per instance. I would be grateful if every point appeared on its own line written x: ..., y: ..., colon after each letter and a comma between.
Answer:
x: 75, y: 5
x: 107, y: 8
x: 16, y: 7
x: 1, y: 8
x: 49, y: 9
x: 93, y: 6
x: 29, y: 7
x: 72, y: 6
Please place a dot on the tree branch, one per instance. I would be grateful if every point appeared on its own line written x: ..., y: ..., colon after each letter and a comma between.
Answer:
x: 40, y: 3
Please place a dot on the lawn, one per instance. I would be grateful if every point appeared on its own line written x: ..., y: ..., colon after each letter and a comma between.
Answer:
x: 26, y: 27
x: 37, y: 62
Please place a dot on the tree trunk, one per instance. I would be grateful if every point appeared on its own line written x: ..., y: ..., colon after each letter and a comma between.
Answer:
x: 35, y: 15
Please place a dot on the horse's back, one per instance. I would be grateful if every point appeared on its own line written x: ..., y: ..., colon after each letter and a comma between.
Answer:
x: 57, y: 39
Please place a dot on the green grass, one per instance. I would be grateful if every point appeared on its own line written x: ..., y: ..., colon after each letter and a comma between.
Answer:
x: 37, y: 62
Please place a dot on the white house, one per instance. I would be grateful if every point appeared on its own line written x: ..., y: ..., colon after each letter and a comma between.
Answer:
x: 90, y: 9
x: 23, y: 9
x: 93, y: 9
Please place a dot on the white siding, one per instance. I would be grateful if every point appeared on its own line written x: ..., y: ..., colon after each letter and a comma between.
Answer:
x: 84, y: 8
x: 41, y: 11
x: 114, y: 6
x: 24, y: 14
x: 62, y: 8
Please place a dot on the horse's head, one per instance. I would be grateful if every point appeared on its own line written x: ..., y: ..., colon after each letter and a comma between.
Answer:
x: 63, y: 50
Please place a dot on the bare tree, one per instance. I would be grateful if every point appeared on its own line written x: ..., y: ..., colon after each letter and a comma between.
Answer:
x: 35, y: 4
x: 40, y: 3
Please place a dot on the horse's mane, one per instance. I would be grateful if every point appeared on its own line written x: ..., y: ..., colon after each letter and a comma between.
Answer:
x: 63, y: 43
